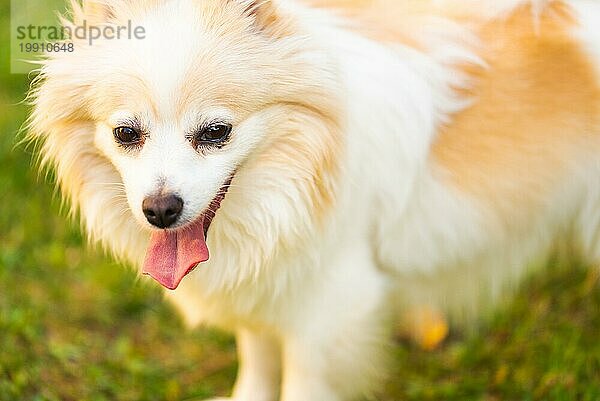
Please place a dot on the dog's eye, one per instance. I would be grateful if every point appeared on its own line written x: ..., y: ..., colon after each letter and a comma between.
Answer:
x: 213, y: 134
x: 127, y: 135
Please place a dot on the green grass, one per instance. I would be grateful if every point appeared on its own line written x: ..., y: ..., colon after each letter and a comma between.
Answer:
x: 76, y: 326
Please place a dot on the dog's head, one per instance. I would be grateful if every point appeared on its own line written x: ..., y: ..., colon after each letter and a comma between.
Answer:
x: 216, y: 94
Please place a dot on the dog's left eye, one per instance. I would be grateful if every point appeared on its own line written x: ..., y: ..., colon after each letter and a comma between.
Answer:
x: 127, y: 135
x: 214, y: 134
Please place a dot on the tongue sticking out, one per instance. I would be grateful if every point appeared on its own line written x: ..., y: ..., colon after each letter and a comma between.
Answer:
x: 173, y: 254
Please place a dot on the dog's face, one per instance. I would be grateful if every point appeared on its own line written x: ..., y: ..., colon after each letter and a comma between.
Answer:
x: 181, y: 109
x: 218, y: 93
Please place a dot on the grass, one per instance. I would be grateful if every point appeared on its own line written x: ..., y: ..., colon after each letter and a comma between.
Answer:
x: 76, y: 326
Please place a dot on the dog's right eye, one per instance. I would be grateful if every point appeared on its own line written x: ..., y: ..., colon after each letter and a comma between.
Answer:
x: 127, y: 135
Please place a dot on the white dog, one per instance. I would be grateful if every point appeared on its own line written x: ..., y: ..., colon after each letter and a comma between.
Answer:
x: 338, y: 159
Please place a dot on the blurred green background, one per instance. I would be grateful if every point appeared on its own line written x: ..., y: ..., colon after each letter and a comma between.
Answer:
x: 39, y: 13
x: 75, y: 325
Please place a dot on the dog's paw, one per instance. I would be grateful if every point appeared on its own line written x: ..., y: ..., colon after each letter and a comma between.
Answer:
x: 425, y: 326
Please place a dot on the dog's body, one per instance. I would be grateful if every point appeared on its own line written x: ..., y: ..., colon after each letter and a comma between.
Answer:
x: 382, y: 155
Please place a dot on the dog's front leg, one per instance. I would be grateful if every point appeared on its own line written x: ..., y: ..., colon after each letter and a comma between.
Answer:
x: 339, y: 370
x: 259, y: 372
x: 259, y: 368
x: 334, y: 348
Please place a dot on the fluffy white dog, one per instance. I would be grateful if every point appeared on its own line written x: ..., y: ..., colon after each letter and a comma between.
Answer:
x: 338, y: 159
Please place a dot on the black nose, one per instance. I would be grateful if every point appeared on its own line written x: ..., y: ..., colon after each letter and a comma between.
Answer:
x: 162, y: 211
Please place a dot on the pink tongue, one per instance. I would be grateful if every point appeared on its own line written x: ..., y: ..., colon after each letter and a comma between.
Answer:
x: 173, y: 254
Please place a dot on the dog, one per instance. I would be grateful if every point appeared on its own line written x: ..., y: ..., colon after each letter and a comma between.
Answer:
x: 302, y: 172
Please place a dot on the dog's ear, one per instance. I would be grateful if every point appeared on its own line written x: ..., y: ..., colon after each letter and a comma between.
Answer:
x: 99, y: 9
x: 267, y: 16
x: 90, y: 11
x: 265, y: 11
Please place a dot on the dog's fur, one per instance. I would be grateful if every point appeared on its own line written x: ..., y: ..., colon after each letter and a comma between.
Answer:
x: 386, y: 153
